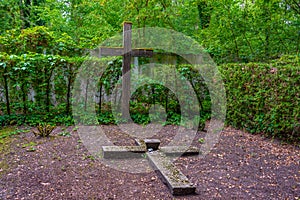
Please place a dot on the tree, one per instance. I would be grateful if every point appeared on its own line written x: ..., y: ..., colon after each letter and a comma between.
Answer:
x: 246, y: 31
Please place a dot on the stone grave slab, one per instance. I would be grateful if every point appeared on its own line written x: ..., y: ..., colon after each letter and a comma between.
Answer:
x: 176, y: 181
x: 180, y: 151
x: 158, y: 158
x: 122, y: 152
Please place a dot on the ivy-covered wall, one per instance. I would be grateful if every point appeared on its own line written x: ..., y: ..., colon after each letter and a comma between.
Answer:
x: 35, y: 83
x: 261, y: 97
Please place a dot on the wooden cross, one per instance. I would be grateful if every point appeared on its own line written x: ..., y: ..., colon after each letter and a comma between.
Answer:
x: 127, y: 52
x: 176, y: 181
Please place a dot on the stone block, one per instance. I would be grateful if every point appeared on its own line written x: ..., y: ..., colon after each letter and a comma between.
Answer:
x: 122, y: 152
x: 176, y: 181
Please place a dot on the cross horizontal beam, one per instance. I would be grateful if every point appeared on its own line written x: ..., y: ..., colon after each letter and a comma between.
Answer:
x: 180, y: 150
x: 121, y: 152
x: 119, y: 51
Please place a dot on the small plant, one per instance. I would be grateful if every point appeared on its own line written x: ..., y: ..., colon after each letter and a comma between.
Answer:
x: 31, y: 146
x: 91, y: 157
x: 201, y: 140
x: 31, y: 149
x: 144, y: 155
x: 44, y: 130
x: 63, y: 168
x: 65, y: 133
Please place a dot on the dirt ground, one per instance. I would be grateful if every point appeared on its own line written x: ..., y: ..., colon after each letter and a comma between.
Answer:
x: 240, y: 166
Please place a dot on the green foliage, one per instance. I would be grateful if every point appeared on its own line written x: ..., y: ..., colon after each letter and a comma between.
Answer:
x: 42, y: 44
x: 201, y: 140
x: 35, y: 71
x: 9, y: 131
x: 5, y: 142
x: 6, y: 132
x: 230, y: 30
x: 264, y: 98
x: 36, y: 39
x: 8, y: 8
x: 44, y: 130
x: 31, y: 145
x: 35, y: 119
x: 65, y: 134
x: 149, y: 95
x: 40, y: 109
x: 247, y: 31
x: 106, y: 117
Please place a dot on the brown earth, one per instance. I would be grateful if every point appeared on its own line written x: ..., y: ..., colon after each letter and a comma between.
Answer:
x: 240, y: 166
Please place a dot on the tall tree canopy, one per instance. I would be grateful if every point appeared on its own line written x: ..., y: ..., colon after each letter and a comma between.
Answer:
x: 230, y: 30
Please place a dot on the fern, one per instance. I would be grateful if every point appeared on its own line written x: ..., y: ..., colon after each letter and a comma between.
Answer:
x: 44, y: 130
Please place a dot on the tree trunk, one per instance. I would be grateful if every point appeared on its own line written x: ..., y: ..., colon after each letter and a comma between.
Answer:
x: 68, y: 94
x: 24, y: 98
x: 48, y: 96
x: 86, y: 94
x: 6, y: 94
x: 100, y: 99
x: 48, y: 90
x: 166, y: 100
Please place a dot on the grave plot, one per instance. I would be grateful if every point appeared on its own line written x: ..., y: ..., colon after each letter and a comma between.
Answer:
x: 159, y: 159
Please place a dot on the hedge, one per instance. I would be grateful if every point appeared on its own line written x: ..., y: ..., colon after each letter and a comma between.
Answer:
x: 261, y: 97
x: 264, y: 98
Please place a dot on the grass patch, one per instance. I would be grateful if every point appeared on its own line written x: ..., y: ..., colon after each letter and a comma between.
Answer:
x: 5, y: 142
x: 30, y: 147
x: 9, y: 131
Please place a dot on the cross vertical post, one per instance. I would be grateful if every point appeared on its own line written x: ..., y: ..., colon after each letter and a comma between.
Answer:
x: 126, y: 69
x: 126, y: 52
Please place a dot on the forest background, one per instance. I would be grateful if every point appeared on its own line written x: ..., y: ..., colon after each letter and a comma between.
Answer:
x: 255, y: 44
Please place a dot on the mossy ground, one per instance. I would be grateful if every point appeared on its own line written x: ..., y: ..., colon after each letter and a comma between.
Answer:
x: 5, y: 148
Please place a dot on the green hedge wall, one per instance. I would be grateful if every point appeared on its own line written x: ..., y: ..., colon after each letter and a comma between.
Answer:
x: 261, y: 98
x: 264, y: 98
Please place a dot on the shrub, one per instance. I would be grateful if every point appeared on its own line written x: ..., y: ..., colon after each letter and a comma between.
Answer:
x: 264, y: 97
